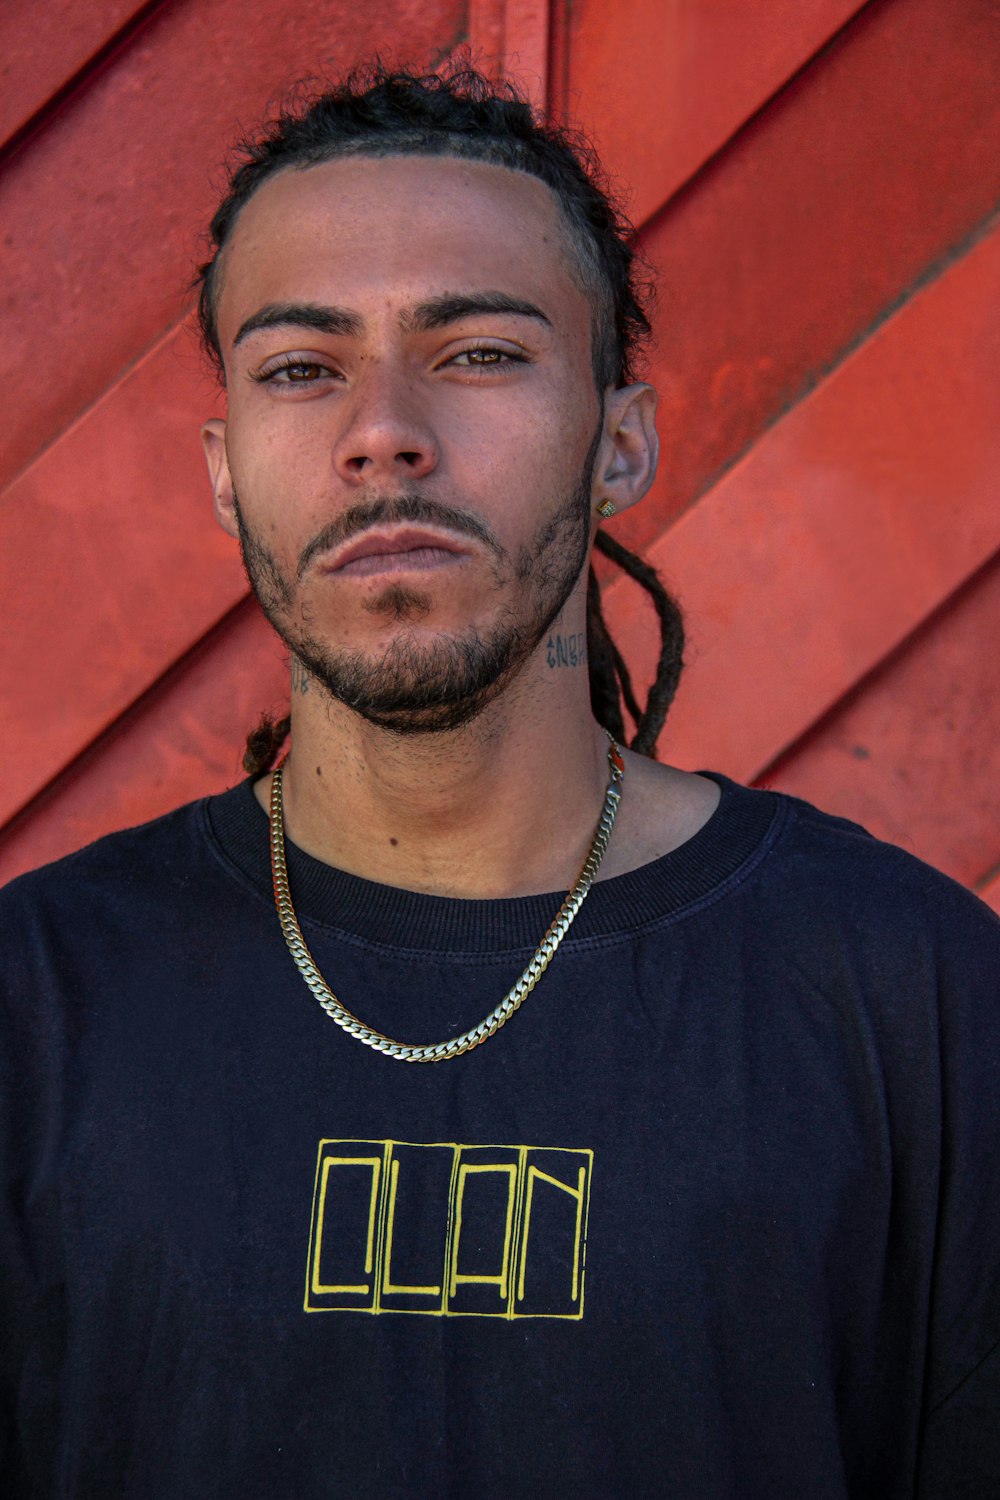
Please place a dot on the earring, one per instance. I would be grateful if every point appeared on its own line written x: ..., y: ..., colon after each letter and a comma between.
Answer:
x: 606, y: 508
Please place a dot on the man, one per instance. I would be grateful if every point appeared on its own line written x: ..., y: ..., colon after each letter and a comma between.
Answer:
x: 691, y: 1190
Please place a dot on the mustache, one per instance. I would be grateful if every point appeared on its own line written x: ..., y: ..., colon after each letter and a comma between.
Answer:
x: 387, y: 509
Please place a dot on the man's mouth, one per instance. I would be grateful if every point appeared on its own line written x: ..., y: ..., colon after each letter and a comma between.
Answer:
x: 394, y: 550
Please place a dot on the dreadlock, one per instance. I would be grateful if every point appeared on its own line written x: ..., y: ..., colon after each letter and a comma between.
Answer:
x: 611, y: 689
x: 610, y: 679
x: 264, y: 744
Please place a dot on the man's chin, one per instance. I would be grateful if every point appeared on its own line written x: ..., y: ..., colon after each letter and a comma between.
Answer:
x: 417, y: 687
x: 440, y: 719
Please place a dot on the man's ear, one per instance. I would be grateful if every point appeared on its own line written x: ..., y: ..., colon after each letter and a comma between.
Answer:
x: 630, y: 447
x: 213, y: 440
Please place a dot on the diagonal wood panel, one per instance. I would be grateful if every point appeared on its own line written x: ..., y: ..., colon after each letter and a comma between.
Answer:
x: 114, y: 522
x: 45, y: 44
x: 865, y: 176
x: 183, y: 740
x: 913, y: 752
x: 846, y: 525
x: 660, y: 87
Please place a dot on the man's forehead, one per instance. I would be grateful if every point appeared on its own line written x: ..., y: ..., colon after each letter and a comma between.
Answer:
x: 406, y: 182
x: 402, y: 219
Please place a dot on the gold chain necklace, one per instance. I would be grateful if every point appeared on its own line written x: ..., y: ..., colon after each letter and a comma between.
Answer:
x: 514, y: 997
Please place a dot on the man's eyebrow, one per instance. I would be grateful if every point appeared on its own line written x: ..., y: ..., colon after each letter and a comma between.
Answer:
x: 314, y: 315
x: 438, y: 312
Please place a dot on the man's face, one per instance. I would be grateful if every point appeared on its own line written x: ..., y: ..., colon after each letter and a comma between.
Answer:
x: 412, y: 425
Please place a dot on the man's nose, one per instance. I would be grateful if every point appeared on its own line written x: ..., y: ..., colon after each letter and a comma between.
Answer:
x: 387, y: 434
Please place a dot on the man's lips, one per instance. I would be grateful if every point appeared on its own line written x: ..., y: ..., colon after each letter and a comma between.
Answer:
x: 395, y: 550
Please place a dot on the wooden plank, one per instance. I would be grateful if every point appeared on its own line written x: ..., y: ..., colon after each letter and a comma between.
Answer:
x: 913, y: 753
x: 45, y: 44
x: 660, y: 87
x: 877, y: 164
x: 103, y: 210
x: 183, y: 741
x: 848, y: 523
x: 111, y: 565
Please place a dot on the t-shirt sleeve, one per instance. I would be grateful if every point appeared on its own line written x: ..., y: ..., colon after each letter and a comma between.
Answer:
x: 31, y: 1280
x: 960, y: 1448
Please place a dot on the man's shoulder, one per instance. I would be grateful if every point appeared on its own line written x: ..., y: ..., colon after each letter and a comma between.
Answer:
x: 834, y: 873
x: 157, y: 853
x: 830, y: 846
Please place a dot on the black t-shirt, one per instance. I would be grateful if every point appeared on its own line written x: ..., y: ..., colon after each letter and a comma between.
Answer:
x: 716, y: 1215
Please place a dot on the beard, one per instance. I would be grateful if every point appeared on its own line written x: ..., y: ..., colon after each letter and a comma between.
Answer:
x: 419, y: 686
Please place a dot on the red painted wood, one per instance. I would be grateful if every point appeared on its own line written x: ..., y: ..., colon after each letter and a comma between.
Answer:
x: 913, y: 753
x: 486, y: 35
x: 850, y: 521
x: 660, y: 87
x: 183, y: 741
x: 103, y: 210
x: 526, y: 47
x: 989, y: 892
x: 879, y: 160
x: 43, y: 45
x: 511, y: 38
x: 111, y: 565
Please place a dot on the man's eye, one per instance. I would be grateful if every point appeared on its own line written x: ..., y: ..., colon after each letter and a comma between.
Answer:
x: 295, y: 372
x: 485, y: 358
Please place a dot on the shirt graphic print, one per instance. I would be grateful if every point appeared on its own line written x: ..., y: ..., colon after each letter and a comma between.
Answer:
x: 448, y: 1230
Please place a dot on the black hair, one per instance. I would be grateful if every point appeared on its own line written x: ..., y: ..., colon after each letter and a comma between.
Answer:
x: 377, y: 111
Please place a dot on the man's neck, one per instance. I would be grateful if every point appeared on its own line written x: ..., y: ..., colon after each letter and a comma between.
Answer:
x: 504, y: 806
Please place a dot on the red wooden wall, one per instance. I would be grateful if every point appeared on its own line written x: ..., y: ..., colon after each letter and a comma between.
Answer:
x: 816, y: 183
